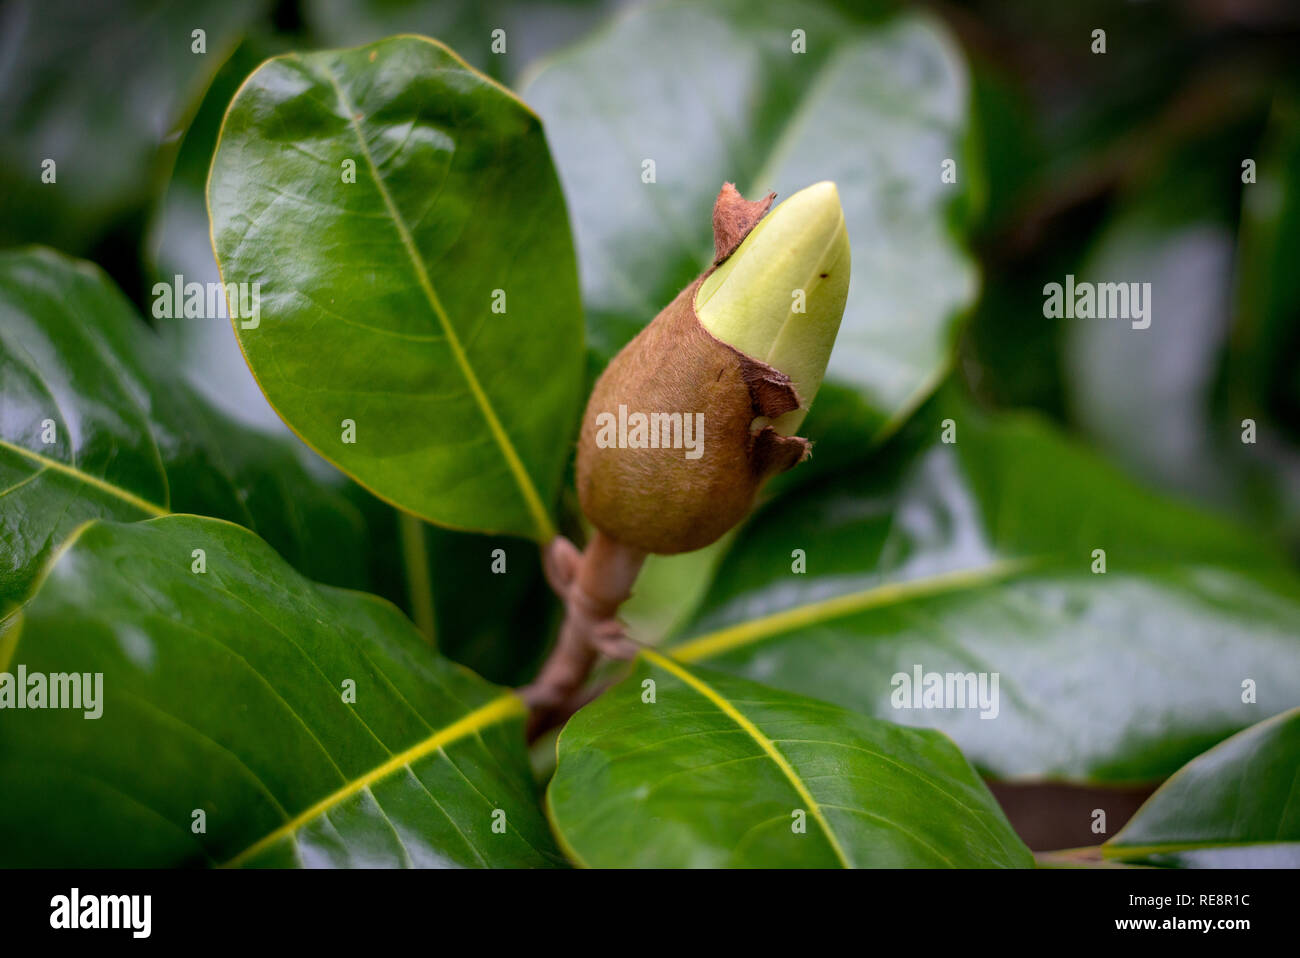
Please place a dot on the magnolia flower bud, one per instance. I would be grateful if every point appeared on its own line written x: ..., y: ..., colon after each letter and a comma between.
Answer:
x: 696, y: 412
x: 780, y: 296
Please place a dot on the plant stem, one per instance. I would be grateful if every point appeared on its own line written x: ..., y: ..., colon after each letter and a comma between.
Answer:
x: 592, y: 584
x: 419, y: 581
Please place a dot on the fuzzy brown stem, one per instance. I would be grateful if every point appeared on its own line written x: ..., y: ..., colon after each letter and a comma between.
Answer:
x: 593, y: 585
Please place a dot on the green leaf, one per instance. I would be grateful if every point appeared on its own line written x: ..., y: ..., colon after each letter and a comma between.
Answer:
x: 377, y: 296
x: 130, y: 440
x: 715, y: 772
x: 102, y: 90
x: 713, y: 93
x: 1236, y: 806
x: 437, y: 574
x: 978, y: 557
x: 226, y: 692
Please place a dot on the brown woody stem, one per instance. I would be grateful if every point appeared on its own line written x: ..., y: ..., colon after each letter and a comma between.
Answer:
x: 593, y: 585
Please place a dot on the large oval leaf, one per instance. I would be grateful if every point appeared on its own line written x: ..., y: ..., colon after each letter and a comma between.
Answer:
x: 978, y: 557
x: 1238, y: 805
x: 714, y: 92
x: 402, y: 216
x: 127, y: 439
x: 424, y: 568
x: 310, y: 726
x: 679, y: 766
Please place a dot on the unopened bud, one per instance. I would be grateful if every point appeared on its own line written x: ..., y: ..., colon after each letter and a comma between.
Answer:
x: 730, y: 366
x: 780, y: 296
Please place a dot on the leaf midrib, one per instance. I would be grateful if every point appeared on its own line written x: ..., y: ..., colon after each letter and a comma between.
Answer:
x: 101, y: 484
x: 1130, y: 852
x: 504, y: 707
x: 532, y: 500
x: 729, y: 638
x: 765, y: 743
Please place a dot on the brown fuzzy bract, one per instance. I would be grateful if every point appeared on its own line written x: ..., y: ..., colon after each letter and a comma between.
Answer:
x: 657, y: 499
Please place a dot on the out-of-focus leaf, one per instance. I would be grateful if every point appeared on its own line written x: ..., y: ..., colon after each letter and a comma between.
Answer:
x: 311, y: 726
x: 1266, y: 335
x: 432, y: 305
x: 128, y: 439
x: 179, y: 250
x: 1009, y: 140
x: 1168, y: 401
x: 977, y: 557
x: 679, y: 766
x: 1236, y: 806
x: 100, y: 89
x: 1264, y: 347
x: 530, y: 27
x: 493, y: 609
x: 715, y: 92
x: 1142, y: 387
x: 669, y: 589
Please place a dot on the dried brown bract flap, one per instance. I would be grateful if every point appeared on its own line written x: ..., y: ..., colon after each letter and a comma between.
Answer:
x: 670, y: 455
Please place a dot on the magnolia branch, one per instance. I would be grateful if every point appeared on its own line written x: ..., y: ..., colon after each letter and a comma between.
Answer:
x: 592, y: 584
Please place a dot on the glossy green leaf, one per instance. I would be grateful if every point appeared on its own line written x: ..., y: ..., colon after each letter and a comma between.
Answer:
x: 1236, y: 806
x: 687, y: 767
x: 102, y: 90
x: 978, y: 557
x: 420, y: 327
x: 310, y: 725
x: 128, y: 439
x: 438, y: 575
x: 713, y: 92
